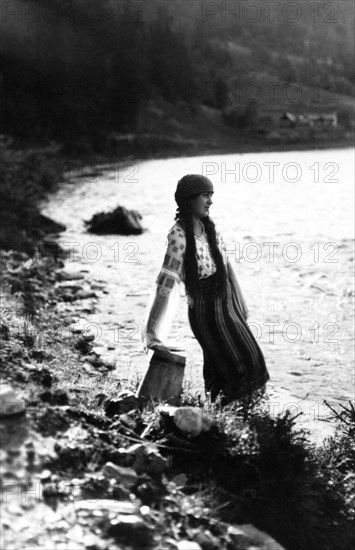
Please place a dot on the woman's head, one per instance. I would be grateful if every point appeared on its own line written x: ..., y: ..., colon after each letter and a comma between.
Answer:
x: 192, y: 184
x: 194, y: 197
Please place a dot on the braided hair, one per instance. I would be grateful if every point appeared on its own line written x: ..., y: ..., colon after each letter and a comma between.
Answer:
x: 184, y: 217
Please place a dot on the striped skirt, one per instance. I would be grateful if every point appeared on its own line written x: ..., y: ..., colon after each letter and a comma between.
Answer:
x: 234, y: 364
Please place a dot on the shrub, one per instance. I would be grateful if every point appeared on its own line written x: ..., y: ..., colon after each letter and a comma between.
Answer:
x: 26, y: 177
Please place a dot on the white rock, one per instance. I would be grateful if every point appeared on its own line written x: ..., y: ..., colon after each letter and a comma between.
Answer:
x: 70, y: 275
x: 10, y: 403
x: 188, y: 545
x: 192, y: 420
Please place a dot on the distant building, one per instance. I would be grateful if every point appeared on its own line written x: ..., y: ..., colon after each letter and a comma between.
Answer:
x: 288, y: 119
x: 292, y: 120
x: 330, y: 119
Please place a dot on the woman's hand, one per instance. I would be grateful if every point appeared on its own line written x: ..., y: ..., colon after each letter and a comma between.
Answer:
x: 164, y: 352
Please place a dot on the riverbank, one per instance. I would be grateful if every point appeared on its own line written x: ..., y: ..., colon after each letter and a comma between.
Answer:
x: 71, y: 476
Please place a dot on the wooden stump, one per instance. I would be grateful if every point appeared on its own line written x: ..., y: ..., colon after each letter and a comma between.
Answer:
x: 163, y: 380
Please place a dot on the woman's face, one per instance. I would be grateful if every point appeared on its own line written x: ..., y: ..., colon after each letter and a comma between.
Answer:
x: 200, y: 205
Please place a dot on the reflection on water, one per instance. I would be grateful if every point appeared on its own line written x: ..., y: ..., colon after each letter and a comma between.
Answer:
x: 288, y: 225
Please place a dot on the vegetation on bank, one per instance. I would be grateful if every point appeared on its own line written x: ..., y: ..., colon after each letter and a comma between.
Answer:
x: 26, y: 178
x: 250, y: 468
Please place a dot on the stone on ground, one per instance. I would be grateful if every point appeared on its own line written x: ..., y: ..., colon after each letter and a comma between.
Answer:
x: 191, y: 421
x: 10, y: 402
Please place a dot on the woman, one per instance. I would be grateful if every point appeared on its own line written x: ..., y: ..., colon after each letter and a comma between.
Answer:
x: 234, y: 365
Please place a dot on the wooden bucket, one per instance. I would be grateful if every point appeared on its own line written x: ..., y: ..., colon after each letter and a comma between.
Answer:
x: 163, y: 379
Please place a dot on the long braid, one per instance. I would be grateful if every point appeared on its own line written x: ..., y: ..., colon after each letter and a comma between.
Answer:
x: 216, y: 253
x: 183, y: 216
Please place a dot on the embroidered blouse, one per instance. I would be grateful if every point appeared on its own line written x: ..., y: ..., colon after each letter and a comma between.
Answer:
x: 165, y: 296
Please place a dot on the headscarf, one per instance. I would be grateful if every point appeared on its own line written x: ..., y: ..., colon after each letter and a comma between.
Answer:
x: 192, y: 184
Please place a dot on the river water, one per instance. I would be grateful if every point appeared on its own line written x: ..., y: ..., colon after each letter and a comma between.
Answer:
x: 287, y: 220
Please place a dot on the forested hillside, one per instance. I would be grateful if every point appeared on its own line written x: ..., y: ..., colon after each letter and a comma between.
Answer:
x: 76, y: 71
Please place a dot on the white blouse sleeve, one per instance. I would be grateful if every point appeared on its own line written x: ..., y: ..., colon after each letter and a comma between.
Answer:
x: 164, y: 299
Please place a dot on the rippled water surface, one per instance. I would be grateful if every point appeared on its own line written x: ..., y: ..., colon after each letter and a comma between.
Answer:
x: 287, y: 219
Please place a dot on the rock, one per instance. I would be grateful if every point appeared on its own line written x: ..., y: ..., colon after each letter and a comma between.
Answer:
x: 127, y: 476
x: 84, y: 294
x: 188, y: 545
x: 207, y: 541
x: 84, y: 345
x: 191, y: 421
x: 44, y: 476
x: 125, y: 401
x: 120, y: 492
x: 66, y: 297
x: 41, y: 355
x: 102, y: 369
x: 109, y: 362
x: 180, y: 480
x: 50, y: 247
x: 120, y: 456
x: 94, y: 360
x: 79, y: 326
x: 99, y: 399
x: 147, y: 459
x: 246, y: 536
x: 69, y: 276
x: 69, y: 285
x: 42, y: 376
x: 155, y: 464
x: 48, y: 225
x: 121, y: 221
x: 147, y: 490
x: 131, y: 529
x: 10, y: 402
x: 55, y: 397
x: 98, y: 286
x: 98, y: 349
x: 4, y: 331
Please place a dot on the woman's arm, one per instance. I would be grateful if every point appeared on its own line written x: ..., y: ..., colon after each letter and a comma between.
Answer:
x: 237, y: 290
x: 165, y: 298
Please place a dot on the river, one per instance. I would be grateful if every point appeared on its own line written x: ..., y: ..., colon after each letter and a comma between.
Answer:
x: 287, y: 220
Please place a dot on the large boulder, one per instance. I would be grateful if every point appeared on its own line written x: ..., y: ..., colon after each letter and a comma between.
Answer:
x: 121, y: 222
